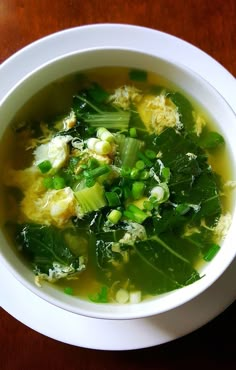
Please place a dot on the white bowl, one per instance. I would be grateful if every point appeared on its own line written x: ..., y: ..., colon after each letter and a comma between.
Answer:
x: 194, y: 86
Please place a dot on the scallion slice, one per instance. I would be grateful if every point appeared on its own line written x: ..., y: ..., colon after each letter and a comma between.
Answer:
x: 210, y: 254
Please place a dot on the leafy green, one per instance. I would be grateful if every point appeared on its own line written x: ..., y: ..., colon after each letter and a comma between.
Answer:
x: 172, y: 144
x: 104, y: 254
x: 202, y: 238
x: 82, y: 103
x: 206, y: 193
x: 185, y: 109
x: 91, y: 108
x: 97, y: 93
x: 78, y: 131
x: 191, y: 181
x: 157, y: 268
x: 170, y: 220
x: 135, y: 120
x: 45, y: 245
x: 211, y: 140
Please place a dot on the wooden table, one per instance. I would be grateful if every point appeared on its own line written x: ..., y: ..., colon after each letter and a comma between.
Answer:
x: 210, y: 25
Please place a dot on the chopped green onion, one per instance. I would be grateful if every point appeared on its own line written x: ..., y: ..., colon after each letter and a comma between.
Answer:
x: 140, y: 165
x: 118, y: 190
x: 90, y: 181
x: 144, y: 175
x: 127, y: 192
x: 125, y: 171
x: 45, y: 166
x: 160, y: 192
x: 134, y: 174
x: 48, y: 182
x: 150, y: 154
x: 112, y: 198
x: 165, y: 172
x: 92, y: 163
x: 138, y: 75
x: 211, y: 140
x: 133, y: 132
x: 137, y: 190
x: 148, y: 205
x: 114, y: 216
x: 135, y: 214
x: 68, y: 291
x: 210, y: 254
x: 145, y: 159
x: 154, y: 201
x: 58, y: 182
x: 100, y: 297
x: 96, y: 172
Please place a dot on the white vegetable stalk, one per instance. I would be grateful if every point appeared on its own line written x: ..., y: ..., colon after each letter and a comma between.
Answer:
x: 105, y: 135
x: 135, y: 297
x: 122, y: 296
x: 101, y: 147
x: 160, y: 192
x: 92, y: 142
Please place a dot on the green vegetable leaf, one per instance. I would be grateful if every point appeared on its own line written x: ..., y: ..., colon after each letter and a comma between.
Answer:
x: 170, y: 220
x: 45, y: 245
x: 157, y: 268
x: 203, y: 239
x: 211, y: 140
x: 185, y: 110
x: 97, y: 93
x: 192, y: 181
x: 105, y: 255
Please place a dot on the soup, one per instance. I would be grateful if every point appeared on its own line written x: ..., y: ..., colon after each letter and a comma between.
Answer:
x: 117, y: 185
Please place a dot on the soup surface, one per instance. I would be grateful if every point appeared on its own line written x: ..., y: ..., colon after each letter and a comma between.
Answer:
x: 114, y: 187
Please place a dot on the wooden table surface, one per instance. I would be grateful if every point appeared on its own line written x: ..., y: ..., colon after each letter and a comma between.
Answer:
x: 209, y: 25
